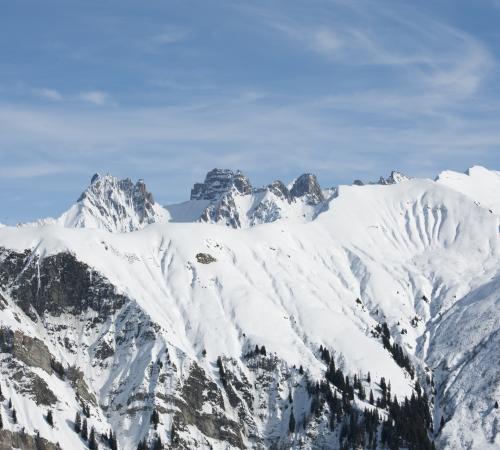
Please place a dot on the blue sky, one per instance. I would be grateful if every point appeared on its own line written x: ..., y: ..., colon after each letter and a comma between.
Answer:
x: 166, y: 90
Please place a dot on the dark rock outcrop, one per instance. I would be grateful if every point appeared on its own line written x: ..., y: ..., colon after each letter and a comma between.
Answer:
x: 220, y: 181
x: 279, y: 189
x: 197, y: 390
x: 22, y: 441
x: 205, y: 258
x: 307, y: 186
x: 30, y: 351
x: 30, y: 384
x: 56, y: 284
x: 223, y: 211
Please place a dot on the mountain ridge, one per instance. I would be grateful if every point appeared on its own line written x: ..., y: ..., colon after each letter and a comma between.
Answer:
x: 168, y: 318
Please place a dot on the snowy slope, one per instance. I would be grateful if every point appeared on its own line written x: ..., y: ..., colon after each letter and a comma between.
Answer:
x: 478, y: 183
x: 113, y: 205
x: 417, y: 255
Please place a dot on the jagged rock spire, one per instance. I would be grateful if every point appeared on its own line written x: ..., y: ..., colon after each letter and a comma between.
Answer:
x: 307, y: 185
x: 220, y: 181
x: 115, y: 205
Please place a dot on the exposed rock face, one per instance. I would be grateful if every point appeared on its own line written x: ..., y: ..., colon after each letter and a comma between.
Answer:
x: 79, y: 385
x: 223, y: 211
x: 114, y: 205
x: 205, y: 258
x: 279, y: 189
x: 234, y: 203
x: 220, y: 181
x: 197, y: 392
x: 56, y: 284
x: 31, y: 351
x: 106, y: 194
x: 394, y: 178
x: 22, y: 441
x: 30, y: 384
x: 307, y: 185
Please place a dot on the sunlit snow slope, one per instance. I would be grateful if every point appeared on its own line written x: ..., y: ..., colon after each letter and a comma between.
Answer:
x: 421, y: 256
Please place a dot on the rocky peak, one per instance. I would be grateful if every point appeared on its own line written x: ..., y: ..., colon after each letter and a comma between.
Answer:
x: 108, y: 187
x: 221, y: 181
x: 279, y: 189
x: 117, y: 195
x: 307, y: 185
x: 113, y: 204
x: 394, y: 178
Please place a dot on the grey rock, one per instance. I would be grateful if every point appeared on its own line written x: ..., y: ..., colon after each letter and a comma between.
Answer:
x: 197, y: 390
x: 219, y: 182
x: 79, y: 385
x: 30, y: 384
x: 307, y: 186
x: 205, y: 258
x: 280, y: 190
x: 22, y: 441
x: 56, y: 284
x: 223, y: 211
x: 31, y: 351
x: 107, y: 194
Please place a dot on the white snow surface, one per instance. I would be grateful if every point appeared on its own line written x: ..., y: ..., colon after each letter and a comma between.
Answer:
x: 291, y: 285
x: 478, y: 183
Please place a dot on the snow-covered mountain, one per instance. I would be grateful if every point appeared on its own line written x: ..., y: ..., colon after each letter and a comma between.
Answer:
x: 272, y: 336
x: 478, y: 183
x: 228, y: 198
x: 113, y: 205
x: 394, y: 178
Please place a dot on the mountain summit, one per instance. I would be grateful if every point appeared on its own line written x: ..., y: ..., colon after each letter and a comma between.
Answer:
x: 114, y: 205
x: 227, y: 197
x: 219, y: 182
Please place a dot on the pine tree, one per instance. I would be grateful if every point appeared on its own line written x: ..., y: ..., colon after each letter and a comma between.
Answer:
x: 50, y: 418
x: 263, y: 350
x: 1, y: 421
x: 92, y: 441
x: 301, y: 370
x: 157, y: 444
x: 84, y: 430
x: 418, y: 389
x: 369, y: 378
x: 10, y: 403
x: 372, y: 400
x: 78, y: 423
x: 362, y: 393
x: 142, y: 445
x: 86, y: 410
x: 113, y: 444
x: 155, y: 419
x: 14, y: 415
x: 496, y: 404
x: 291, y: 423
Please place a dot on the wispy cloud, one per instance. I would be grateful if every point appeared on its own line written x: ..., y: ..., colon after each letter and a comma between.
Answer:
x: 48, y: 94
x: 99, y: 98
x: 427, y: 55
x: 94, y: 97
x: 31, y: 170
x: 170, y: 35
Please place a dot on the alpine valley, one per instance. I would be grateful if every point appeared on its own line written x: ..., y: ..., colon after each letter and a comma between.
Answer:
x: 288, y: 316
